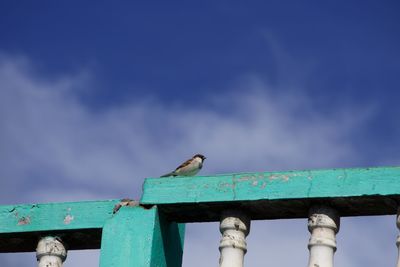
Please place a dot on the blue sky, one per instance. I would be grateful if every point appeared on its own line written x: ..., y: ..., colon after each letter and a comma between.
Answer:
x: 94, y: 98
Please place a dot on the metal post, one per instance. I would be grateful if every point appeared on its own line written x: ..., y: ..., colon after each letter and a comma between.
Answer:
x: 50, y: 251
x: 323, y: 224
x: 398, y: 237
x: 234, y: 227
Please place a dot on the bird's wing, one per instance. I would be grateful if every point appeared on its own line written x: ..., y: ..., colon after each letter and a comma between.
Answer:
x: 180, y: 167
x: 186, y: 163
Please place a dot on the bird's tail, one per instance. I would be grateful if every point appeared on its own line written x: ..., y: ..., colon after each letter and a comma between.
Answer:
x: 168, y: 174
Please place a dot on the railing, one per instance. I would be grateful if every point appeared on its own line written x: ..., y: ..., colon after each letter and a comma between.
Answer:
x: 152, y: 233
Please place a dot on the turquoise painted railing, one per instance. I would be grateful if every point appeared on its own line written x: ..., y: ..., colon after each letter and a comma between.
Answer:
x: 152, y: 232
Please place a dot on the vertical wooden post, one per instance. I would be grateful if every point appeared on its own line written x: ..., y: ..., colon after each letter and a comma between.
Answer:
x: 323, y: 224
x: 398, y: 237
x: 50, y: 251
x: 139, y: 237
x: 234, y: 227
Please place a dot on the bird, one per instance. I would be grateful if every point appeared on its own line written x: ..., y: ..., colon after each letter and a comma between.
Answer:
x: 189, y: 168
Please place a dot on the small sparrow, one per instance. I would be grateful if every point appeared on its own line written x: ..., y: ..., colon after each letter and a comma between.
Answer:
x: 189, y: 168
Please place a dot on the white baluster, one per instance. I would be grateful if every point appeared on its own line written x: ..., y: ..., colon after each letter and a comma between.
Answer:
x: 234, y: 227
x: 50, y: 252
x: 398, y: 237
x: 323, y: 224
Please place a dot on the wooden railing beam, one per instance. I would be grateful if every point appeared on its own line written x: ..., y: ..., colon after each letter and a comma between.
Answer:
x: 276, y: 195
x: 79, y: 224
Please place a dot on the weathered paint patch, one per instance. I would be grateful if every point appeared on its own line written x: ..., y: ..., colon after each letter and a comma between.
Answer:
x: 279, y: 177
x: 227, y: 185
x: 24, y: 220
x: 68, y: 219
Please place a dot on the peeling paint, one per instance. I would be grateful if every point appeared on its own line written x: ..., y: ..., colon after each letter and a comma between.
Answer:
x: 24, y: 220
x: 309, y: 188
x: 309, y: 176
x: 263, y: 185
x: 68, y: 219
x: 245, y: 178
x: 227, y: 185
x: 234, y: 181
x: 283, y: 177
x: 249, y: 177
x: 257, y: 180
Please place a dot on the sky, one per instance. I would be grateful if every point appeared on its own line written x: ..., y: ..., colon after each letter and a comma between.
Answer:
x: 95, y: 98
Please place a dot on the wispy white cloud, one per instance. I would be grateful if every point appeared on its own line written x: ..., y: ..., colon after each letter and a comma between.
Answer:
x: 50, y: 137
x: 55, y: 148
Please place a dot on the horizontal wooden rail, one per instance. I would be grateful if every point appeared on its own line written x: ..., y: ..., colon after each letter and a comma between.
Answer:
x: 78, y: 223
x: 267, y: 195
x: 276, y: 195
